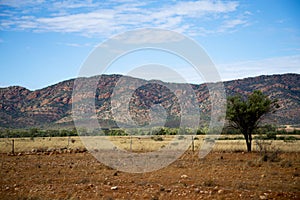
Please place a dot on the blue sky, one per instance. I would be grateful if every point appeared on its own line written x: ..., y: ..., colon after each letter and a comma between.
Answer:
x: 44, y: 42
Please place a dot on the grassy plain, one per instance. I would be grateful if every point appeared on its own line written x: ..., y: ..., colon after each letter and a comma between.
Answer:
x: 139, y: 144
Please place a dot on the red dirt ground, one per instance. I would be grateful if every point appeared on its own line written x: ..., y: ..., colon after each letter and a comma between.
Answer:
x: 217, y: 176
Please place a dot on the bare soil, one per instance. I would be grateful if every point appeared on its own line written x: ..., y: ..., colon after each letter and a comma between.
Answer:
x: 218, y: 176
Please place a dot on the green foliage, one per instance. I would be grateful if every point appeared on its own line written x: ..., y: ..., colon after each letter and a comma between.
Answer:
x: 202, y: 131
x: 265, y: 129
x: 35, y: 132
x: 271, y: 135
x: 246, y: 114
x: 290, y: 139
x: 230, y: 131
x: 161, y: 131
x: 281, y: 132
x: 185, y: 131
x: 230, y: 138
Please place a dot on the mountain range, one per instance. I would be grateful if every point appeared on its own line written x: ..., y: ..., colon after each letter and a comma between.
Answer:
x: 52, y: 105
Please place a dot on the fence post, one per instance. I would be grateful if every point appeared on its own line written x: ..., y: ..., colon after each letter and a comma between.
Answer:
x: 130, y: 143
x: 13, y: 146
x: 69, y: 141
x: 193, y: 147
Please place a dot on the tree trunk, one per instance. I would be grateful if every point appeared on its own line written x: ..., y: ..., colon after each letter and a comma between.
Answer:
x: 248, y: 139
x: 248, y: 145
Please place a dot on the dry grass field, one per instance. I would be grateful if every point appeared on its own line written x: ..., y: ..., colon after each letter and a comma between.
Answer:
x: 225, y: 173
x: 138, y: 144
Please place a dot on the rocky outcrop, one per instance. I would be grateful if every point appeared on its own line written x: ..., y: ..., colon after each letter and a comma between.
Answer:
x: 20, y: 107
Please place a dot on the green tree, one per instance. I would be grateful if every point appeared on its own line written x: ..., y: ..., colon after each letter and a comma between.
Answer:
x: 245, y: 114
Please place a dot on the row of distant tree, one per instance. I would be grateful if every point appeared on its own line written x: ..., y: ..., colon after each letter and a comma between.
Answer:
x: 266, y: 131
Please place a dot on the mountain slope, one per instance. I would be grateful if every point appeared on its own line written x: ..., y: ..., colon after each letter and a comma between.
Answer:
x: 20, y: 107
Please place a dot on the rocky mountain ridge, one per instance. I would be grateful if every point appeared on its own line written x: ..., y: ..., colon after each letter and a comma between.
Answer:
x: 52, y: 105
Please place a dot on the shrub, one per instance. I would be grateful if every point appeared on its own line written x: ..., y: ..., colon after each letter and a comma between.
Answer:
x: 271, y: 156
x: 267, y: 151
x: 157, y: 138
x: 290, y: 139
x: 200, y: 132
x: 271, y: 135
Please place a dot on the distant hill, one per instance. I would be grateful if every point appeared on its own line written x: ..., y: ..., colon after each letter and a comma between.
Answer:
x: 51, y: 106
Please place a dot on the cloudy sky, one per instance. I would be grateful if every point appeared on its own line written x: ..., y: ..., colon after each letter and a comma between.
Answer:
x: 43, y: 42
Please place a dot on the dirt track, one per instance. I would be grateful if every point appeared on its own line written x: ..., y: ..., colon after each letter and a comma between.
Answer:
x: 218, y: 176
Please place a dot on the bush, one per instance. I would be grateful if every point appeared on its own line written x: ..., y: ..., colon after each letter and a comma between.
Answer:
x: 267, y: 151
x: 271, y: 135
x: 290, y: 139
x: 296, y: 132
x: 157, y: 138
x: 230, y: 131
x: 272, y: 156
x: 200, y: 132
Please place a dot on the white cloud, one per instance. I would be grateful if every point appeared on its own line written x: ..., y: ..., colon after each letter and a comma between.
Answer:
x: 107, y: 18
x: 231, y: 24
x: 149, y: 36
x: 71, y: 4
x: 18, y: 3
x: 77, y: 44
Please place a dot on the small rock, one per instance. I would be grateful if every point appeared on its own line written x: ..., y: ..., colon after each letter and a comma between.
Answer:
x: 184, y: 176
x: 262, y: 197
x: 263, y: 176
x: 154, y: 198
x: 197, y: 190
x: 114, y: 188
x: 220, y: 191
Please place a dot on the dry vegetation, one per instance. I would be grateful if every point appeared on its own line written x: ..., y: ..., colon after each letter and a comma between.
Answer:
x: 226, y: 173
x: 141, y: 143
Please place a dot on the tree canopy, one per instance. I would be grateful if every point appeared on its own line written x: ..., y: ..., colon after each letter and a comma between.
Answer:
x: 245, y: 114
